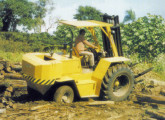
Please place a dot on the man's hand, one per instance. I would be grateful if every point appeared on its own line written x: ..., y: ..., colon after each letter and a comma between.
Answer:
x: 95, y: 47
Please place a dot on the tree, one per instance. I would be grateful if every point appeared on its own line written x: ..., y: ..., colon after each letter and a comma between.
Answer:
x: 146, y: 37
x: 50, y: 18
x: 64, y: 35
x: 15, y: 13
x: 130, y: 16
x: 87, y: 13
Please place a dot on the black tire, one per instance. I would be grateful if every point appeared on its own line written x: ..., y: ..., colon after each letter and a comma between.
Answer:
x: 118, y: 83
x: 64, y: 94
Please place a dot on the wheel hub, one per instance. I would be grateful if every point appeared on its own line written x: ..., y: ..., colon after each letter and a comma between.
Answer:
x: 120, y: 85
x: 64, y: 99
x: 117, y: 83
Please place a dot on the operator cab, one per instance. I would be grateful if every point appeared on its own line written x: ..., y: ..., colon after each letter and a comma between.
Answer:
x: 111, y: 38
x: 90, y: 25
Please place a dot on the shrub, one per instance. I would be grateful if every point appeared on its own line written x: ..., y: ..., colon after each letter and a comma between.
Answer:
x: 146, y: 36
x: 17, y: 42
x: 159, y: 63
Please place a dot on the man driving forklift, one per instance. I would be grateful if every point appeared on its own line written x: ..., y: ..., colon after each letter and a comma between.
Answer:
x: 80, y: 43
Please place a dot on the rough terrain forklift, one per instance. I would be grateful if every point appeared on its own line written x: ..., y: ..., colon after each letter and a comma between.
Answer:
x: 63, y: 77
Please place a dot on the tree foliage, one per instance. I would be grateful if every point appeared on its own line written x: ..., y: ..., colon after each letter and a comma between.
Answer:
x: 146, y: 36
x: 130, y: 16
x: 15, y: 13
x: 64, y: 34
x: 87, y: 13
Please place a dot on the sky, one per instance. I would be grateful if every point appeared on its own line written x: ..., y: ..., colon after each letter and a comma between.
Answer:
x: 65, y: 9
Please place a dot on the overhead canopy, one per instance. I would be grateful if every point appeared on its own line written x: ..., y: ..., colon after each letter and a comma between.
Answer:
x: 89, y: 23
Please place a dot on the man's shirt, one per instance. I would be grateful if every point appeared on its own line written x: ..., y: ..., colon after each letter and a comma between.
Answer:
x: 80, y: 43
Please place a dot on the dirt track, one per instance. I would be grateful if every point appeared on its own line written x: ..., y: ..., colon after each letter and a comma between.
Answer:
x: 53, y: 111
x: 30, y: 109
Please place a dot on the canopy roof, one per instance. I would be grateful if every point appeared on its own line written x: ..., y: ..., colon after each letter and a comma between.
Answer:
x: 88, y: 23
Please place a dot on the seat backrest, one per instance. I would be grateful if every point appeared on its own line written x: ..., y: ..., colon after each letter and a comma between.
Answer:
x: 75, y: 52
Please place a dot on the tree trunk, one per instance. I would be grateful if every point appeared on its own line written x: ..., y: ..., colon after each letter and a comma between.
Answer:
x: 6, y: 24
x: 7, y: 20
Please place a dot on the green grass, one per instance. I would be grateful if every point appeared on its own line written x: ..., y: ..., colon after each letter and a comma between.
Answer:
x: 13, y: 46
x: 12, y: 51
x: 158, y: 63
x: 12, y: 56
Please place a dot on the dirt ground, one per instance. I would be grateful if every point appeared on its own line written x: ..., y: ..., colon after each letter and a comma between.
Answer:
x: 26, y: 108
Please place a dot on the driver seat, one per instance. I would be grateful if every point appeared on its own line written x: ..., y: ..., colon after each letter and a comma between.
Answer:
x: 84, y: 59
x: 75, y: 53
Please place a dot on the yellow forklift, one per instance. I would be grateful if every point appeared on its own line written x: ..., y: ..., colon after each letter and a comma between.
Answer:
x: 62, y: 76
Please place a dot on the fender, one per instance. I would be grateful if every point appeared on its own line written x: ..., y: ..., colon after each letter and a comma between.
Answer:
x: 102, y: 68
x: 104, y: 64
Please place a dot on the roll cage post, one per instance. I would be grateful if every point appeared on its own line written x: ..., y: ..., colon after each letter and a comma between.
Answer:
x: 108, y: 34
x: 92, y: 31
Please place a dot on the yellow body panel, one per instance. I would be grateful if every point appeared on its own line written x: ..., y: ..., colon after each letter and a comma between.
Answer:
x: 86, y: 88
x: 38, y: 67
x: 84, y: 83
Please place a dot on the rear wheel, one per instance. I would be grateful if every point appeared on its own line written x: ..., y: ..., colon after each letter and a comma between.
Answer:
x: 64, y: 94
x: 117, y: 83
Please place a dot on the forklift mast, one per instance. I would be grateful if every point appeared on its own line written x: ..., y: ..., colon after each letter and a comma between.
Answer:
x: 115, y: 30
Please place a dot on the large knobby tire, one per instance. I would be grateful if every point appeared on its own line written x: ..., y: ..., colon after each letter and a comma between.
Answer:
x: 64, y: 94
x: 118, y: 83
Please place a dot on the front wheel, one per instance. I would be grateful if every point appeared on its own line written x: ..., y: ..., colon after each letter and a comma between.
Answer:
x: 64, y: 94
x: 117, y: 83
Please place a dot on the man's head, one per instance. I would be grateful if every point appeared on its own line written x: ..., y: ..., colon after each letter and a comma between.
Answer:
x: 82, y: 32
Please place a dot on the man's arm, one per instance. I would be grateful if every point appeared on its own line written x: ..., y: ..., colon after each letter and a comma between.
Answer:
x: 88, y: 44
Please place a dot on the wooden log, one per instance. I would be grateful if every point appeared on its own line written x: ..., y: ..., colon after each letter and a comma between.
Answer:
x: 2, y: 83
x: 17, y: 84
x: 40, y: 107
x: 13, y: 76
x: 162, y: 92
x: 16, y: 68
x: 1, y: 77
x: 6, y: 65
x: 156, y: 82
x: 156, y: 115
x: 20, y: 113
x: 8, y: 69
x: 2, y: 72
x: 2, y: 110
x: 100, y: 103
x: 151, y: 98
